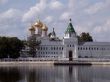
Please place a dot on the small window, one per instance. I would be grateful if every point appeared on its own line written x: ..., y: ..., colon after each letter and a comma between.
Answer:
x: 54, y: 48
x: 51, y: 48
x: 41, y: 48
x: 97, y: 48
x: 94, y: 48
x: 59, y: 48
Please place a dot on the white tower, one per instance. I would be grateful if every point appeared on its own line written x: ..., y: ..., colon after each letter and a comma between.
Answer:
x: 70, y: 42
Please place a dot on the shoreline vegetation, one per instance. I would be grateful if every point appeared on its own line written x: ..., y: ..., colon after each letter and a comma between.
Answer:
x: 10, y: 47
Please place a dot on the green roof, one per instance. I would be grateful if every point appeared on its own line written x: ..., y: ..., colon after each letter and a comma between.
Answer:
x: 70, y: 28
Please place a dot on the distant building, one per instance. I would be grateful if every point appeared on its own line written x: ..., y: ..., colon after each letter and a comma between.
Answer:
x: 68, y: 48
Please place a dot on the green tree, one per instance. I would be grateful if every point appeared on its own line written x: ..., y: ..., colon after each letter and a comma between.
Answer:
x: 85, y: 37
x: 33, y: 45
x: 10, y: 47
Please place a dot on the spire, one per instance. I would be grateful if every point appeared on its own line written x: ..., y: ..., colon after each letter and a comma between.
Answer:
x: 53, y: 29
x: 70, y: 20
x: 53, y: 33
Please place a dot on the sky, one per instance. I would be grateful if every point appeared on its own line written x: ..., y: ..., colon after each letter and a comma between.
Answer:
x: 93, y: 16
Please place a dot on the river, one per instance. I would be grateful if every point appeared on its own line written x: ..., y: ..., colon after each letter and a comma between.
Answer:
x: 51, y: 73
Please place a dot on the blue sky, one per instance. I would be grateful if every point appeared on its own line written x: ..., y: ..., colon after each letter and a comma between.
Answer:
x: 92, y: 16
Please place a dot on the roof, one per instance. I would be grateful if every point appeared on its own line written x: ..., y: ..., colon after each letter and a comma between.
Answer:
x: 32, y: 28
x: 70, y: 28
x: 95, y: 43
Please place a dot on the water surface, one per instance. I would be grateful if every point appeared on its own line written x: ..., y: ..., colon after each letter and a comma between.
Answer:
x: 50, y: 73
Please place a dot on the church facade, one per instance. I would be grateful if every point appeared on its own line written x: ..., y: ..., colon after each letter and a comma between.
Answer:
x: 67, y: 48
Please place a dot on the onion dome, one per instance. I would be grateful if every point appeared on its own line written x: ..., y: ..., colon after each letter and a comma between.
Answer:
x: 38, y: 24
x: 70, y: 28
x: 44, y: 28
x: 32, y: 28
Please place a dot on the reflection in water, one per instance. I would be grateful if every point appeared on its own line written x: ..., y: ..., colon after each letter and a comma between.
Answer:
x: 42, y: 73
x: 9, y: 75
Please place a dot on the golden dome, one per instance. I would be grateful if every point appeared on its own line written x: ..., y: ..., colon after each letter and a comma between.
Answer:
x: 32, y: 28
x: 44, y: 28
x: 38, y: 24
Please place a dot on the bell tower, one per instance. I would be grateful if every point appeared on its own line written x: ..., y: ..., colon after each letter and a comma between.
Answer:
x: 70, y: 41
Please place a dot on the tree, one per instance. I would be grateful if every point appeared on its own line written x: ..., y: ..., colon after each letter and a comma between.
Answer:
x: 33, y: 45
x: 85, y: 37
x: 10, y: 47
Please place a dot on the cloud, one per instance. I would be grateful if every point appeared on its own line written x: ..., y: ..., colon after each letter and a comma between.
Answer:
x: 95, y: 8
x: 87, y: 16
x: 10, y: 23
x: 3, y: 1
x: 34, y: 11
x: 65, y: 16
x: 56, y: 5
x: 48, y: 19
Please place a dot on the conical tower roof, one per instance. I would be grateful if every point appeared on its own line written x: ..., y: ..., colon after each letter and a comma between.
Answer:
x: 70, y: 28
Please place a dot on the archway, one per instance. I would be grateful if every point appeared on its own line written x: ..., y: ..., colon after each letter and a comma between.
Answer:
x: 70, y: 56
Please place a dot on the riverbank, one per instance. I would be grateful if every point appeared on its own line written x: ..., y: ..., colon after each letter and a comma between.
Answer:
x: 26, y: 63
x: 37, y: 61
x: 21, y: 63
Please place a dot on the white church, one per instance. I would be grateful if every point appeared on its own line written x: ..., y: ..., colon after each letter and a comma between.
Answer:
x: 67, y: 48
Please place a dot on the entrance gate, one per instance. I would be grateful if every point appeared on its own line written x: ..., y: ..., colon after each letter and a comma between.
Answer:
x: 70, y: 56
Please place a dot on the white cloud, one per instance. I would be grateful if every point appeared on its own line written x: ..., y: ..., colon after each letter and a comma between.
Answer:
x: 87, y: 16
x: 56, y: 5
x: 3, y: 1
x: 10, y: 22
x: 48, y: 19
x: 9, y: 16
x: 65, y: 16
x: 95, y: 8
x: 11, y: 13
x: 35, y: 11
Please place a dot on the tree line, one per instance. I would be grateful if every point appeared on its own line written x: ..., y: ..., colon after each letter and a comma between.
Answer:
x: 10, y: 47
